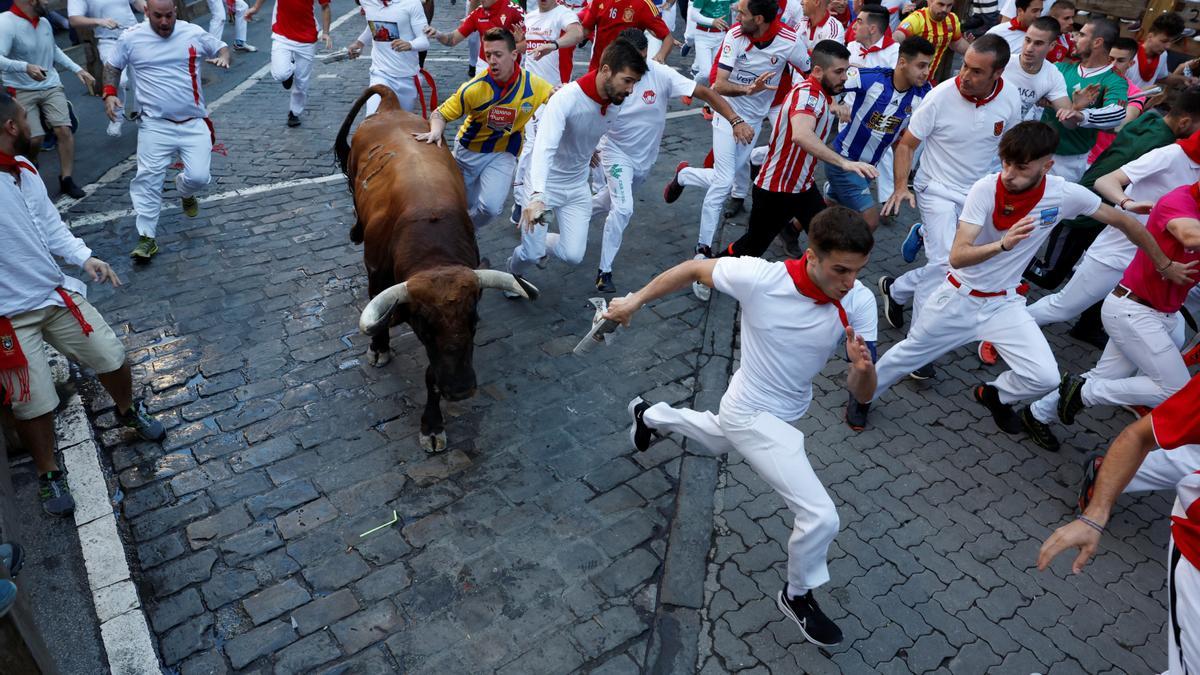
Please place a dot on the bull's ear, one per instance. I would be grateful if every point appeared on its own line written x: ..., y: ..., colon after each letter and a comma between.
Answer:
x: 530, y: 290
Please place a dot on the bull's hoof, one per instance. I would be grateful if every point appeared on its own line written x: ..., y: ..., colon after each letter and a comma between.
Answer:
x: 432, y: 443
x: 378, y: 359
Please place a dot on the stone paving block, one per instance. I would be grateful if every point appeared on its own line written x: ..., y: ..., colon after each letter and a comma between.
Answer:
x: 207, y: 663
x: 280, y: 500
x: 626, y: 573
x: 171, y: 611
x: 365, y: 628
x: 250, y: 543
x: 607, y: 630
x: 305, y: 519
x: 323, y: 611
x: 171, y: 577
x: 229, y: 585
x: 278, y: 599
x: 335, y: 572
x: 182, y: 641
x: 260, y: 641
x: 306, y: 653
x: 626, y: 533
x: 217, y: 526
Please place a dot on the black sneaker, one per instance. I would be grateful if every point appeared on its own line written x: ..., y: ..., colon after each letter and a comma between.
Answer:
x: 68, y: 187
x: 604, y: 282
x: 514, y: 216
x: 1070, y: 397
x: 1002, y: 413
x: 673, y: 189
x: 1091, y: 467
x: 287, y: 84
x: 791, y: 240
x: 139, y: 420
x: 470, y: 72
x: 639, y: 433
x: 55, y: 494
x: 735, y: 206
x: 293, y: 120
x: 856, y: 414
x: 892, y: 310
x: 925, y: 372
x: 816, y: 627
x: 704, y: 250
x: 1039, y: 432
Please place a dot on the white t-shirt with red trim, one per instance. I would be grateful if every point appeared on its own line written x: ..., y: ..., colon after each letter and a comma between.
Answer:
x: 638, y: 131
x: 789, y: 168
x: 543, y: 28
x: 168, y: 68
x: 295, y: 20
x: 746, y: 61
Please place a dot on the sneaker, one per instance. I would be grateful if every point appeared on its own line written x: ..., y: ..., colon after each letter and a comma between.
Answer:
x: 139, y: 420
x: 925, y: 372
x: 673, y: 189
x: 244, y: 47
x: 707, y: 113
x: 639, y: 433
x: 1087, y: 486
x: 892, y: 310
x: 804, y: 610
x: 791, y: 240
x: 55, y: 493
x: 856, y: 414
x: 1039, y: 432
x: 67, y: 186
x: 13, y: 557
x: 49, y: 141
x: 912, y: 243
x: 1070, y: 397
x: 191, y: 206
x: 685, y: 49
x: 987, y: 353
x: 514, y: 216
x: 146, y: 248
x: 8, y: 596
x: 293, y: 120
x: 1002, y: 413
x: 114, y: 127
x: 604, y: 282
x: 736, y: 205
x: 287, y: 84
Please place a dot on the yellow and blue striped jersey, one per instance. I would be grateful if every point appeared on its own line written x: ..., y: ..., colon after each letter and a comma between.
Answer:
x: 496, y: 113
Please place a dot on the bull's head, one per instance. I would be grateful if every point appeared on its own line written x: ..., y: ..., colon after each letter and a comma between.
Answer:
x: 441, y: 308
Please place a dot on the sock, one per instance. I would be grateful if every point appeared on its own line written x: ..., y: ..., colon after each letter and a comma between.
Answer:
x: 792, y: 593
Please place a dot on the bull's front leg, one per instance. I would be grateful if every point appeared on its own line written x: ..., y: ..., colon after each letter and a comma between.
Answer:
x: 380, y: 351
x: 433, y: 430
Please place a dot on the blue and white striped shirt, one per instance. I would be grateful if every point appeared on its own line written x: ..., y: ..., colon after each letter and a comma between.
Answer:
x: 879, y: 114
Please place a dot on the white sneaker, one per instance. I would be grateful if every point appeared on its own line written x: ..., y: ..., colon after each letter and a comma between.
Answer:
x: 702, y: 292
x: 114, y: 127
x: 244, y: 47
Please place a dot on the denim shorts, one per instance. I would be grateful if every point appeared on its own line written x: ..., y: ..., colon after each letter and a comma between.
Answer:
x: 849, y: 189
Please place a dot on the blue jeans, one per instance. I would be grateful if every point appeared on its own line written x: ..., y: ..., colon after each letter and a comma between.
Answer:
x: 849, y: 189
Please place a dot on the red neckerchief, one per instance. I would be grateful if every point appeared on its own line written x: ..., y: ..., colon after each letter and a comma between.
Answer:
x: 1191, y: 146
x: 798, y: 271
x: 883, y: 44
x: 1009, y: 207
x: 505, y: 86
x: 1016, y: 25
x: 14, y: 367
x: 812, y: 28
x: 588, y: 84
x: 1195, y: 192
x: 980, y: 102
x: 765, y: 39
x: 74, y: 310
x: 1146, y: 65
x: 17, y: 10
x: 13, y: 166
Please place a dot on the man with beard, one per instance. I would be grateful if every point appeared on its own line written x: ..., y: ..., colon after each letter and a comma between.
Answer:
x: 174, y: 120
x: 792, y: 321
x: 39, y: 304
x: 937, y: 23
x: 569, y: 129
x: 1005, y: 219
x: 1032, y: 75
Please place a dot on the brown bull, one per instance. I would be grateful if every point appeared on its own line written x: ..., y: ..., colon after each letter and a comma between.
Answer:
x: 419, y: 249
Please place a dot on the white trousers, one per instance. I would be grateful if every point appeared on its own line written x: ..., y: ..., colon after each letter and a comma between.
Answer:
x: 956, y: 318
x: 1141, y: 364
x: 521, y: 181
x: 885, y: 184
x: 707, y: 44
x: 728, y: 157
x: 488, y: 177
x: 1071, y: 167
x: 1183, y: 596
x: 216, y: 21
x: 775, y: 450
x: 1163, y: 469
x: 1091, y: 281
x: 939, y: 207
x: 572, y: 206
x: 407, y: 87
x: 158, y: 143
x: 295, y: 60
x: 622, y: 181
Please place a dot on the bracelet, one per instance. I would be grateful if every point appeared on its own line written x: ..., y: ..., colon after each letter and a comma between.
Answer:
x: 1091, y: 523
x: 1121, y: 204
x: 736, y: 121
x: 1006, y: 250
x: 557, y: 46
x: 109, y: 90
x: 1164, y: 267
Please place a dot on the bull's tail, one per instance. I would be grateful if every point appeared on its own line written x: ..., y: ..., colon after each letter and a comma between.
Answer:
x: 341, y: 146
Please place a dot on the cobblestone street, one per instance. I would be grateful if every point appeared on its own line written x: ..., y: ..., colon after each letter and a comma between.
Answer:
x: 539, y: 542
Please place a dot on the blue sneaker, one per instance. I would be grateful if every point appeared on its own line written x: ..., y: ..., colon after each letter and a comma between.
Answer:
x: 8, y: 596
x: 912, y: 243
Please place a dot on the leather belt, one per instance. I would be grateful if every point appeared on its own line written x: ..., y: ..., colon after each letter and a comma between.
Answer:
x: 1122, y: 292
x: 974, y: 293
x: 709, y: 29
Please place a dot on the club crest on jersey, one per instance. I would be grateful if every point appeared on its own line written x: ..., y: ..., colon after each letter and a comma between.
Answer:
x: 503, y: 19
x: 627, y: 15
x: 774, y: 60
x: 648, y: 97
x: 726, y: 49
x: 998, y: 128
x: 1049, y: 216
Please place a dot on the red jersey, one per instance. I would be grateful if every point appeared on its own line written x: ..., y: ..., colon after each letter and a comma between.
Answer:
x: 294, y: 20
x: 1063, y: 49
x: 502, y: 14
x: 1176, y: 423
x: 607, y: 18
x: 1141, y: 276
x: 789, y: 168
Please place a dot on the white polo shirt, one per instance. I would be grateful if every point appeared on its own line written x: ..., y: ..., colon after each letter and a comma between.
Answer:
x: 960, y: 137
x: 638, y: 131
x: 786, y: 338
x: 569, y: 129
x: 543, y: 28
x: 168, y: 69
x: 1151, y: 176
x: 396, y: 20
x: 1060, y: 201
x: 745, y: 62
x: 1046, y: 83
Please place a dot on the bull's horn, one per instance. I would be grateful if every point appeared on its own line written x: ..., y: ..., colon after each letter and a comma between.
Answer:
x: 379, y: 310
x: 507, y: 282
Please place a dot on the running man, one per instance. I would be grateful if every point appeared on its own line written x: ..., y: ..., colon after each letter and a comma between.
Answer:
x: 293, y: 45
x: 218, y: 13
x: 792, y: 322
x: 107, y: 19
x: 711, y: 18
x: 396, y: 32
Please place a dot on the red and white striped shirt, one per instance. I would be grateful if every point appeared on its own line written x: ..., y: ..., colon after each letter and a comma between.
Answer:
x: 789, y: 168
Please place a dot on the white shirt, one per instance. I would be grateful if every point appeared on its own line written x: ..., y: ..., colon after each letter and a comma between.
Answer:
x: 1015, y: 39
x: 884, y: 58
x: 22, y: 44
x: 397, y: 20
x: 638, y: 131
x: 961, y: 138
x: 1060, y: 201
x: 746, y: 62
x: 568, y: 132
x: 104, y: 9
x: 863, y: 311
x: 1135, y: 76
x: 1009, y: 8
x: 168, y: 69
x: 1046, y: 83
x: 1151, y: 176
x: 543, y: 28
x: 786, y: 338
x: 31, y: 234
x: 811, y: 33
